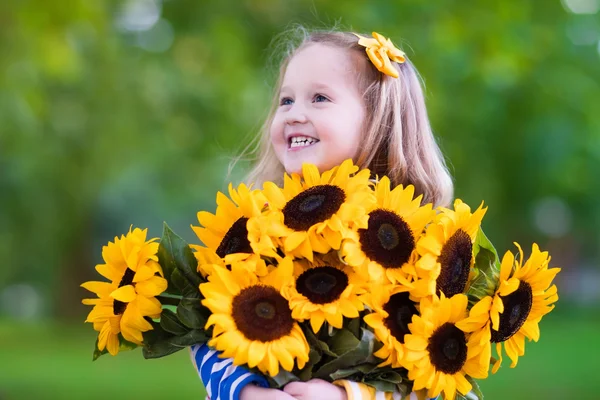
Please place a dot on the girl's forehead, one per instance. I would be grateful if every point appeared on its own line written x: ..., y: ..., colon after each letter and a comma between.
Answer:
x: 321, y: 63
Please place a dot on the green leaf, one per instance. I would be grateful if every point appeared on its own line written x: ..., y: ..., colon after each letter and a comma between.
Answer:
x: 183, y: 286
x: 343, y: 341
x: 305, y: 374
x: 468, y: 396
x: 487, y: 269
x: 357, y: 355
x: 124, y: 345
x: 389, y: 379
x: 391, y: 376
x: 192, y: 313
x: 170, y: 323
x: 175, y: 254
x: 486, y: 256
x: 359, y: 371
x: 325, y: 349
x: 382, y: 386
x: 155, y: 342
x: 193, y: 337
x: 343, y: 373
x: 354, y: 325
x: 475, y: 392
x: 160, y: 343
x: 367, y: 368
x: 314, y: 342
x: 281, y: 379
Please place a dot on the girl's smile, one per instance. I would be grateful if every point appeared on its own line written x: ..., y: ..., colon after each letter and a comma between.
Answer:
x: 300, y: 142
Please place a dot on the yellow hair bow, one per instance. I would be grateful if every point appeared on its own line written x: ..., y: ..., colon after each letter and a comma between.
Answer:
x: 380, y: 51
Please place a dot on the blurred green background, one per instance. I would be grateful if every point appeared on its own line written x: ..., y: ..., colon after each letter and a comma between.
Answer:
x: 115, y: 113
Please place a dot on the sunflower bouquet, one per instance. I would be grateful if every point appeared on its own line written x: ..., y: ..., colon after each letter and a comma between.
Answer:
x: 331, y: 276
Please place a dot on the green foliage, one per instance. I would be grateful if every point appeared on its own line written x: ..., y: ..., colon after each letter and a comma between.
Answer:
x: 159, y: 343
x: 185, y: 327
x: 103, y: 128
x: 176, y: 257
x: 340, y: 354
x: 486, y: 269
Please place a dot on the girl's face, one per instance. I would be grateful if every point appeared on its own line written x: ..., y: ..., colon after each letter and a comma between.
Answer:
x: 321, y: 112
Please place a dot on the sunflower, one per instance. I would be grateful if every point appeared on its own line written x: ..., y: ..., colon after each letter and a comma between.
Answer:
x: 522, y: 298
x: 446, y: 250
x: 208, y: 260
x: 392, y: 313
x: 438, y: 353
x: 226, y: 231
x: 386, y: 247
x: 324, y: 290
x: 131, y: 265
x: 313, y: 214
x: 252, y: 321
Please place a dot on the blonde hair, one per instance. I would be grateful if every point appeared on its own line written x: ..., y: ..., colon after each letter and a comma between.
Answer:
x: 397, y: 141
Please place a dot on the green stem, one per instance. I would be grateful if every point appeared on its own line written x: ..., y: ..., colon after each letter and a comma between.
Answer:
x: 168, y: 301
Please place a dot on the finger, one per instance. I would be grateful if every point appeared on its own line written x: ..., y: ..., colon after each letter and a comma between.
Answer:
x: 285, y: 396
x: 295, y: 388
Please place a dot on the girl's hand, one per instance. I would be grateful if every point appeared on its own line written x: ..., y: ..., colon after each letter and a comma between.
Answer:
x: 253, y: 392
x: 315, y: 389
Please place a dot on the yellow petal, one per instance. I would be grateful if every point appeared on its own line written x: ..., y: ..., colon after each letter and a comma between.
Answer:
x: 102, y: 289
x: 294, y: 240
x: 284, y: 357
x: 144, y: 272
x: 112, y: 344
x: 149, y: 307
x: 414, y: 342
x: 256, y: 353
x: 316, y: 321
x: 152, y: 287
x: 310, y: 174
x: 126, y: 294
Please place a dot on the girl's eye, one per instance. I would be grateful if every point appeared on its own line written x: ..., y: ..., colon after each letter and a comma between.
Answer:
x: 286, y: 101
x: 319, y: 98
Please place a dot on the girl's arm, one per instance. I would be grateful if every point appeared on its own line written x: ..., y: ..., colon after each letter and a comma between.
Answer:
x: 225, y: 381
x: 222, y: 379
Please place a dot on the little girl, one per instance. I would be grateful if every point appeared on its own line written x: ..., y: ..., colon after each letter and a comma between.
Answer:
x: 339, y: 95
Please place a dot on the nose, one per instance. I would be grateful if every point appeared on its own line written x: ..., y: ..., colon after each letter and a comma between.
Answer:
x: 296, y: 115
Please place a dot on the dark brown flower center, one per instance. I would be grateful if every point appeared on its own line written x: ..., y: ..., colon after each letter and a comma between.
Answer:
x: 261, y: 313
x: 236, y: 239
x: 315, y: 204
x: 517, y: 307
x: 388, y: 240
x: 119, y: 306
x: 455, y: 260
x: 322, y: 285
x: 448, y: 348
x: 400, y: 310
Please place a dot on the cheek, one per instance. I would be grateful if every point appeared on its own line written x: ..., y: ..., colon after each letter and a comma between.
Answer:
x: 276, y: 132
x: 347, y: 132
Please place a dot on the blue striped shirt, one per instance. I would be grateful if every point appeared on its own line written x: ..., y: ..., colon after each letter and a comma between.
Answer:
x: 222, y: 379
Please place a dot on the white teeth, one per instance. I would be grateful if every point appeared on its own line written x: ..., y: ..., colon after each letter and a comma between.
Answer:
x: 302, y: 141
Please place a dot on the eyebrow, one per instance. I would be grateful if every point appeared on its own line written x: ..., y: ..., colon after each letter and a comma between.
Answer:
x: 317, y: 86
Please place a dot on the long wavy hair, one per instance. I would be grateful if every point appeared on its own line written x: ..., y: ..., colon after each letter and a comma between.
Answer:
x: 397, y: 139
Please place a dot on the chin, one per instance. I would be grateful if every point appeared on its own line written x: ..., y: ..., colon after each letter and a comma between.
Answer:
x: 295, y: 165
